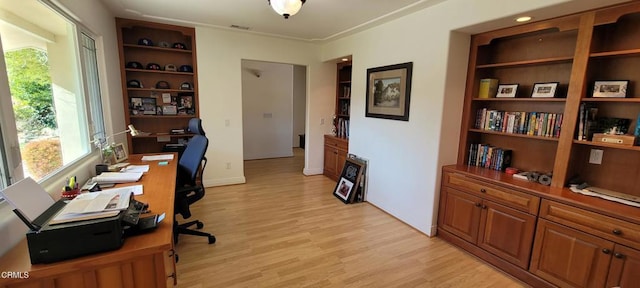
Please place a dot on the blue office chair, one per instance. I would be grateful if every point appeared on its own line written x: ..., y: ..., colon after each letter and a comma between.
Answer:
x: 189, y: 188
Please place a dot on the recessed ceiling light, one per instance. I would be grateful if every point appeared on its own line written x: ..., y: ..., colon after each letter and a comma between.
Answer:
x: 523, y: 19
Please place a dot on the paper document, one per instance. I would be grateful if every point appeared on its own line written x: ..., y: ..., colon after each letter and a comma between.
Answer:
x: 136, y: 168
x: 157, y: 157
x: 94, y: 205
x: 118, y: 177
x: 135, y: 189
x: 28, y: 197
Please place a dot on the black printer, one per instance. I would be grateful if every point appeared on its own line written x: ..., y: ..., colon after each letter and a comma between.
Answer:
x: 51, y: 243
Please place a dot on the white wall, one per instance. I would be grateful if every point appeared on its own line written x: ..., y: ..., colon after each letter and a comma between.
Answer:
x: 299, y: 102
x: 406, y: 157
x: 220, y: 53
x: 267, y: 109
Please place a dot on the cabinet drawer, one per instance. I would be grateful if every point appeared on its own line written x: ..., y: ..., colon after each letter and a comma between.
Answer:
x: 603, y: 226
x: 514, y: 199
x: 336, y: 142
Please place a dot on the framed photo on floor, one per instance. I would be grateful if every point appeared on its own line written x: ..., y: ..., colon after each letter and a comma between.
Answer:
x: 349, y: 180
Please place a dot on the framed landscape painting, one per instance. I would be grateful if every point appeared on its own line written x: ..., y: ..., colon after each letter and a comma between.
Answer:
x: 389, y: 91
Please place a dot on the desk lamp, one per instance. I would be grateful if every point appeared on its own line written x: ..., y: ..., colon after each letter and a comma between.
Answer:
x: 104, y: 146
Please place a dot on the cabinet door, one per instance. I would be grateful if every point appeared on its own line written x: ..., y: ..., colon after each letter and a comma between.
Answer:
x: 462, y: 214
x: 625, y: 268
x: 569, y: 258
x: 507, y: 233
x: 330, y: 162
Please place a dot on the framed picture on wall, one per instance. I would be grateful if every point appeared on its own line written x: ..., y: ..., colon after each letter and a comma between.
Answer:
x: 389, y: 91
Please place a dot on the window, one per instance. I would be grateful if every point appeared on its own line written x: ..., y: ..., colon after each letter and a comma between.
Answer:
x: 53, y: 87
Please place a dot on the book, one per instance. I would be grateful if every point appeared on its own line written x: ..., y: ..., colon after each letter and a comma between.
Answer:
x: 488, y: 88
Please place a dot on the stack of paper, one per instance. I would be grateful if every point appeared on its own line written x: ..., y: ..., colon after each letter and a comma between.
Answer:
x: 118, y: 177
x: 94, y: 205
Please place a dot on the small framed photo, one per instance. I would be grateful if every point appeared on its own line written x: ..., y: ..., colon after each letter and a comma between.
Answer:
x: 349, y: 180
x: 507, y: 91
x: 613, y: 89
x: 149, y: 106
x: 119, y: 152
x: 544, y: 90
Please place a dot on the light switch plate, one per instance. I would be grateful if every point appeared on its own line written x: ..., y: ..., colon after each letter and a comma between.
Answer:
x: 595, y: 157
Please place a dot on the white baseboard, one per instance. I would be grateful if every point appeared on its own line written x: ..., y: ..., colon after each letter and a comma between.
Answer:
x: 312, y: 171
x: 224, y: 182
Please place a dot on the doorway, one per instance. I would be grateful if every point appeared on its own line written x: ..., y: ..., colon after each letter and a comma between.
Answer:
x: 273, y: 109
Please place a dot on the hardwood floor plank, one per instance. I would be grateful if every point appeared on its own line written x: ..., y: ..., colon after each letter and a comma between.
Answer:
x: 284, y: 229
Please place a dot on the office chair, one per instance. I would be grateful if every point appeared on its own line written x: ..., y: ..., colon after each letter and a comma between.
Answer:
x: 189, y: 187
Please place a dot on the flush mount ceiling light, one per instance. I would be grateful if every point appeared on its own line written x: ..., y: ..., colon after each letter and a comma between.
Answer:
x: 286, y: 8
x: 523, y: 19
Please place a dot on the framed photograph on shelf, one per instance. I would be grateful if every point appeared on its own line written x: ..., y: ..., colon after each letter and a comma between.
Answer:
x: 544, y: 90
x: 169, y: 110
x: 135, y: 105
x: 349, y: 180
x: 389, y: 91
x: 613, y: 89
x: 186, y: 104
x: 119, y: 153
x: 507, y: 91
x: 149, y: 106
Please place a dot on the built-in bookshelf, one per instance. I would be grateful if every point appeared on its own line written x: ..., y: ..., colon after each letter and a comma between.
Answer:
x: 159, y: 82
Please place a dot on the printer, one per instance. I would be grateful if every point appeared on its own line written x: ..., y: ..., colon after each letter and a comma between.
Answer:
x: 55, y: 242
x: 50, y: 243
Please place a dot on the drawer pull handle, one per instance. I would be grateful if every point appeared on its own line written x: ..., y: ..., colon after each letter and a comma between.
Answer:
x: 484, y: 206
x: 478, y: 204
x: 606, y: 251
x: 617, y: 231
x: 618, y: 255
x: 173, y: 275
x: 483, y: 190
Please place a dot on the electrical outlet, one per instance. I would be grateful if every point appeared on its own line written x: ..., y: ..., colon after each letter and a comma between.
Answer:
x: 321, y: 121
x: 595, y: 157
x: 228, y: 165
x: 227, y: 123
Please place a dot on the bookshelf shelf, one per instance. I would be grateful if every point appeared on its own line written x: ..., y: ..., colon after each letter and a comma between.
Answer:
x: 553, y: 139
x: 614, y: 146
x: 543, y: 61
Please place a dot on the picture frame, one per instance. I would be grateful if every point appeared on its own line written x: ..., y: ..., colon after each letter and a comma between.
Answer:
x: 507, y: 91
x: 544, y: 90
x: 186, y: 104
x: 119, y: 153
x: 135, y: 105
x: 149, y: 106
x: 610, y: 89
x: 349, y: 180
x: 389, y: 91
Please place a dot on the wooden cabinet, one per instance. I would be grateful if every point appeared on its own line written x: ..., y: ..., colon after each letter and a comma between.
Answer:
x: 580, y: 241
x: 499, y: 229
x: 570, y: 258
x: 591, y: 253
x: 159, y: 82
x: 335, y: 154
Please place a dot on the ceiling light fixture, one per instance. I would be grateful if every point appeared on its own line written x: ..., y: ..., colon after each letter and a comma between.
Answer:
x: 523, y: 19
x: 286, y: 8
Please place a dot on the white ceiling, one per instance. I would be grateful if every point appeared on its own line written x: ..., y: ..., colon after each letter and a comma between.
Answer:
x: 317, y: 20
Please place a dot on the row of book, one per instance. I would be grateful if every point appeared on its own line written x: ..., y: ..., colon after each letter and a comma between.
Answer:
x: 485, y: 155
x: 527, y: 123
x: 342, y: 128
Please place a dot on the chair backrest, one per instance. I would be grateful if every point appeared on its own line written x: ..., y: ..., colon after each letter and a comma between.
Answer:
x: 195, y: 126
x: 191, y: 159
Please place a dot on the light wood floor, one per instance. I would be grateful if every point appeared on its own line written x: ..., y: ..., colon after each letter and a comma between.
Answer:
x: 284, y: 229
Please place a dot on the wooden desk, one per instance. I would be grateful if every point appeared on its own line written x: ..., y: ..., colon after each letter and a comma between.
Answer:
x: 143, y: 261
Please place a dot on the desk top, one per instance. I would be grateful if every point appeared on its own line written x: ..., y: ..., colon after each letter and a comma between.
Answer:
x: 159, y: 187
